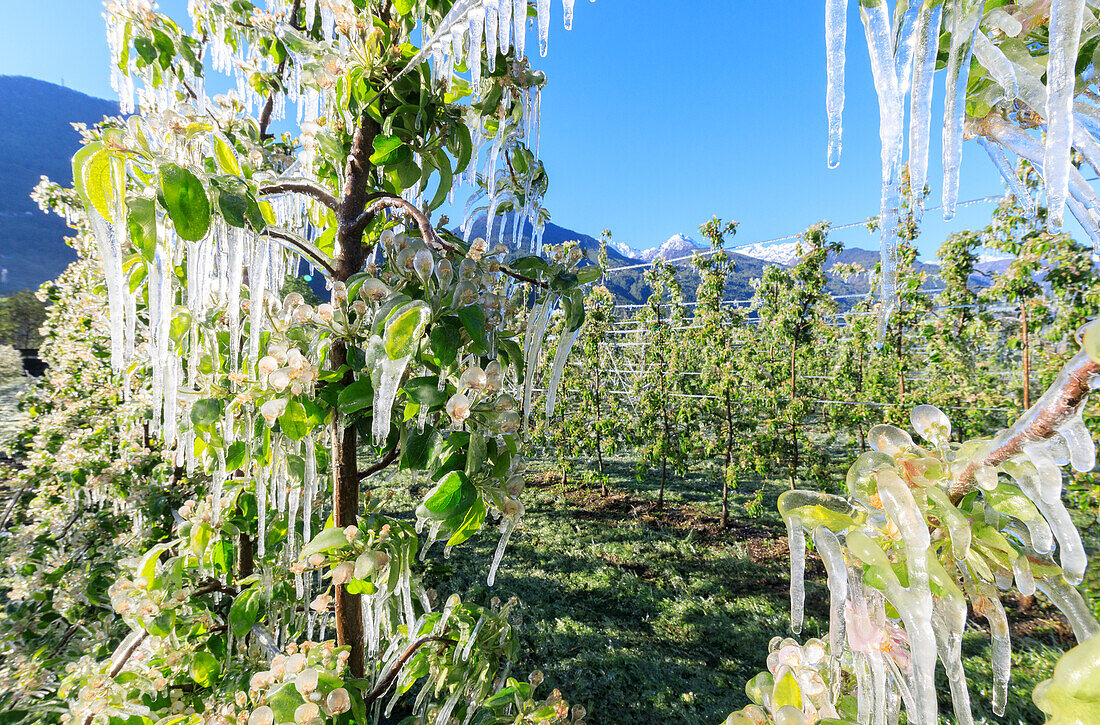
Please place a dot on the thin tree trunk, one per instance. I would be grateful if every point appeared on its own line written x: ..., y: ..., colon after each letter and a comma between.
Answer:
x: 728, y: 462
x: 599, y: 437
x: 345, y: 495
x: 1027, y: 355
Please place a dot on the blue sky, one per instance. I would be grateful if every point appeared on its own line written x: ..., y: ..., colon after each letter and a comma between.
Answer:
x: 653, y: 119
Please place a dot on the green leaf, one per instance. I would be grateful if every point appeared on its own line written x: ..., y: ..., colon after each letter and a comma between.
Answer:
x: 447, y: 494
x: 204, y: 669
x: 225, y: 156
x: 473, y: 319
x: 404, y: 7
x: 200, y: 537
x: 425, y: 391
x: 475, y: 455
x: 405, y: 328
x: 293, y: 420
x: 471, y: 523
x: 445, y: 340
x: 418, y: 448
x: 142, y: 224
x: 356, y: 397
x: 186, y: 201
x: 327, y: 540
x: 102, y: 176
x: 245, y: 611
x: 207, y: 411
x: 386, y: 150
x: 589, y: 274
x: 284, y: 702
x: 236, y: 456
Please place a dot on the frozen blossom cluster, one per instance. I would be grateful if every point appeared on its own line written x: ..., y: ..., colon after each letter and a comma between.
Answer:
x: 926, y: 531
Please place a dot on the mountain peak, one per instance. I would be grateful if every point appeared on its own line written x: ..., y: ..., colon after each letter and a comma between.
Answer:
x: 677, y: 246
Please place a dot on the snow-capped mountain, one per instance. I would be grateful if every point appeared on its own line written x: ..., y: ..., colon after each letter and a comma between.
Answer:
x: 623, y: 249
x: 785, y: 254
x: 677, y: 246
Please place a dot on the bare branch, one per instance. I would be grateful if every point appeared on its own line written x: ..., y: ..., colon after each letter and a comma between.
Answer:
x: 383, y: 464
x: 1060, y: 402
x: 301, y: 245
x: 300, y: 186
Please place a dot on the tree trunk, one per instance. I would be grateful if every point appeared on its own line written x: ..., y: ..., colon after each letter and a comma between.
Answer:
x: 728, y: 462
x: 1027, y: 355
x: 345, y: 496
x: 600, y: 447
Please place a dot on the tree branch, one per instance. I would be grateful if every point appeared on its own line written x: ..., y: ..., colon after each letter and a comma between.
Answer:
x: 387, y: 680
x: 301, y: 245
x: 390, y: 201
x: 269, y: 105
x: 1059, y: 403
x: 384, y: 463
x: 300, y: 186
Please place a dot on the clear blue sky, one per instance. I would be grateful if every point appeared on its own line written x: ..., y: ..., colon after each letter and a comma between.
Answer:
x: 653, y: 120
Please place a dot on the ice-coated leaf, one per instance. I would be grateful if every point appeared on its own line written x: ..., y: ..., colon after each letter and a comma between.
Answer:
x: 186, y: 201
x: 404, y: 329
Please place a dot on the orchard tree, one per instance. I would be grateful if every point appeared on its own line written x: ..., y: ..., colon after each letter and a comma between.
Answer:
x: 199, y: 207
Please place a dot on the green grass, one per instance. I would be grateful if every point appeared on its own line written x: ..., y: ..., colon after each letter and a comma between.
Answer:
x: 660, y: 617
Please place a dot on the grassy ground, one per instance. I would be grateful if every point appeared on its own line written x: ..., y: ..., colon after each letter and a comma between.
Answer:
x: 660, y: 617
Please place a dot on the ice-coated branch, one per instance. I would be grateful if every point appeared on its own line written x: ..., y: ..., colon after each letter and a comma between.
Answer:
x: 121, y: 656
x: 299, y: 244
x: 269, y: 104
x: 1059, y: 404
x: 300, y: 186
x: 427, y: 231
x: 387, y: 680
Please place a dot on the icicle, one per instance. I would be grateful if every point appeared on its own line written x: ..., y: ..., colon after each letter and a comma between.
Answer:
x: 519, y: 18
x: 999, y: 66
x: 236, y: 242
x: 448, y: 707
x: 836, y: 30
x: 828, y: 546
x: 907, y: 32
x: 966, y: 17
x: 544, y: 26
x: 469, y: 646
x: 492, y: 31
x: 384, y: 394
x: 504, y: 25
x: 1070, y: 602
x: 568, y: 8
x: 1066, y: 19
x: 920, y: 116
x: 257, y: 285
x: 1082, y: 451
x: 796, y: 543
x: 532, y: 343
x: 997, y: 156
x: 1025, y: 580
x: 1002, y: 652
x: 261, y: 511
x: 110, y: 250
x: 1071, y: 550
x: 876, y: 25
x: 506, y: 528
x: 565, y: 344
x: 949, y: 616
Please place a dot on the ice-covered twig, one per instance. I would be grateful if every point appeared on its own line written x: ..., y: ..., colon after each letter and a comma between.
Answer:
x: 301, y: 245
x: 300, y: 186
x: 1058, y: 405
x: 386, y: 682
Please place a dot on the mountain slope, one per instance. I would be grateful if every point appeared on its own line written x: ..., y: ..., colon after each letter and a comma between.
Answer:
x: 37, y: 139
